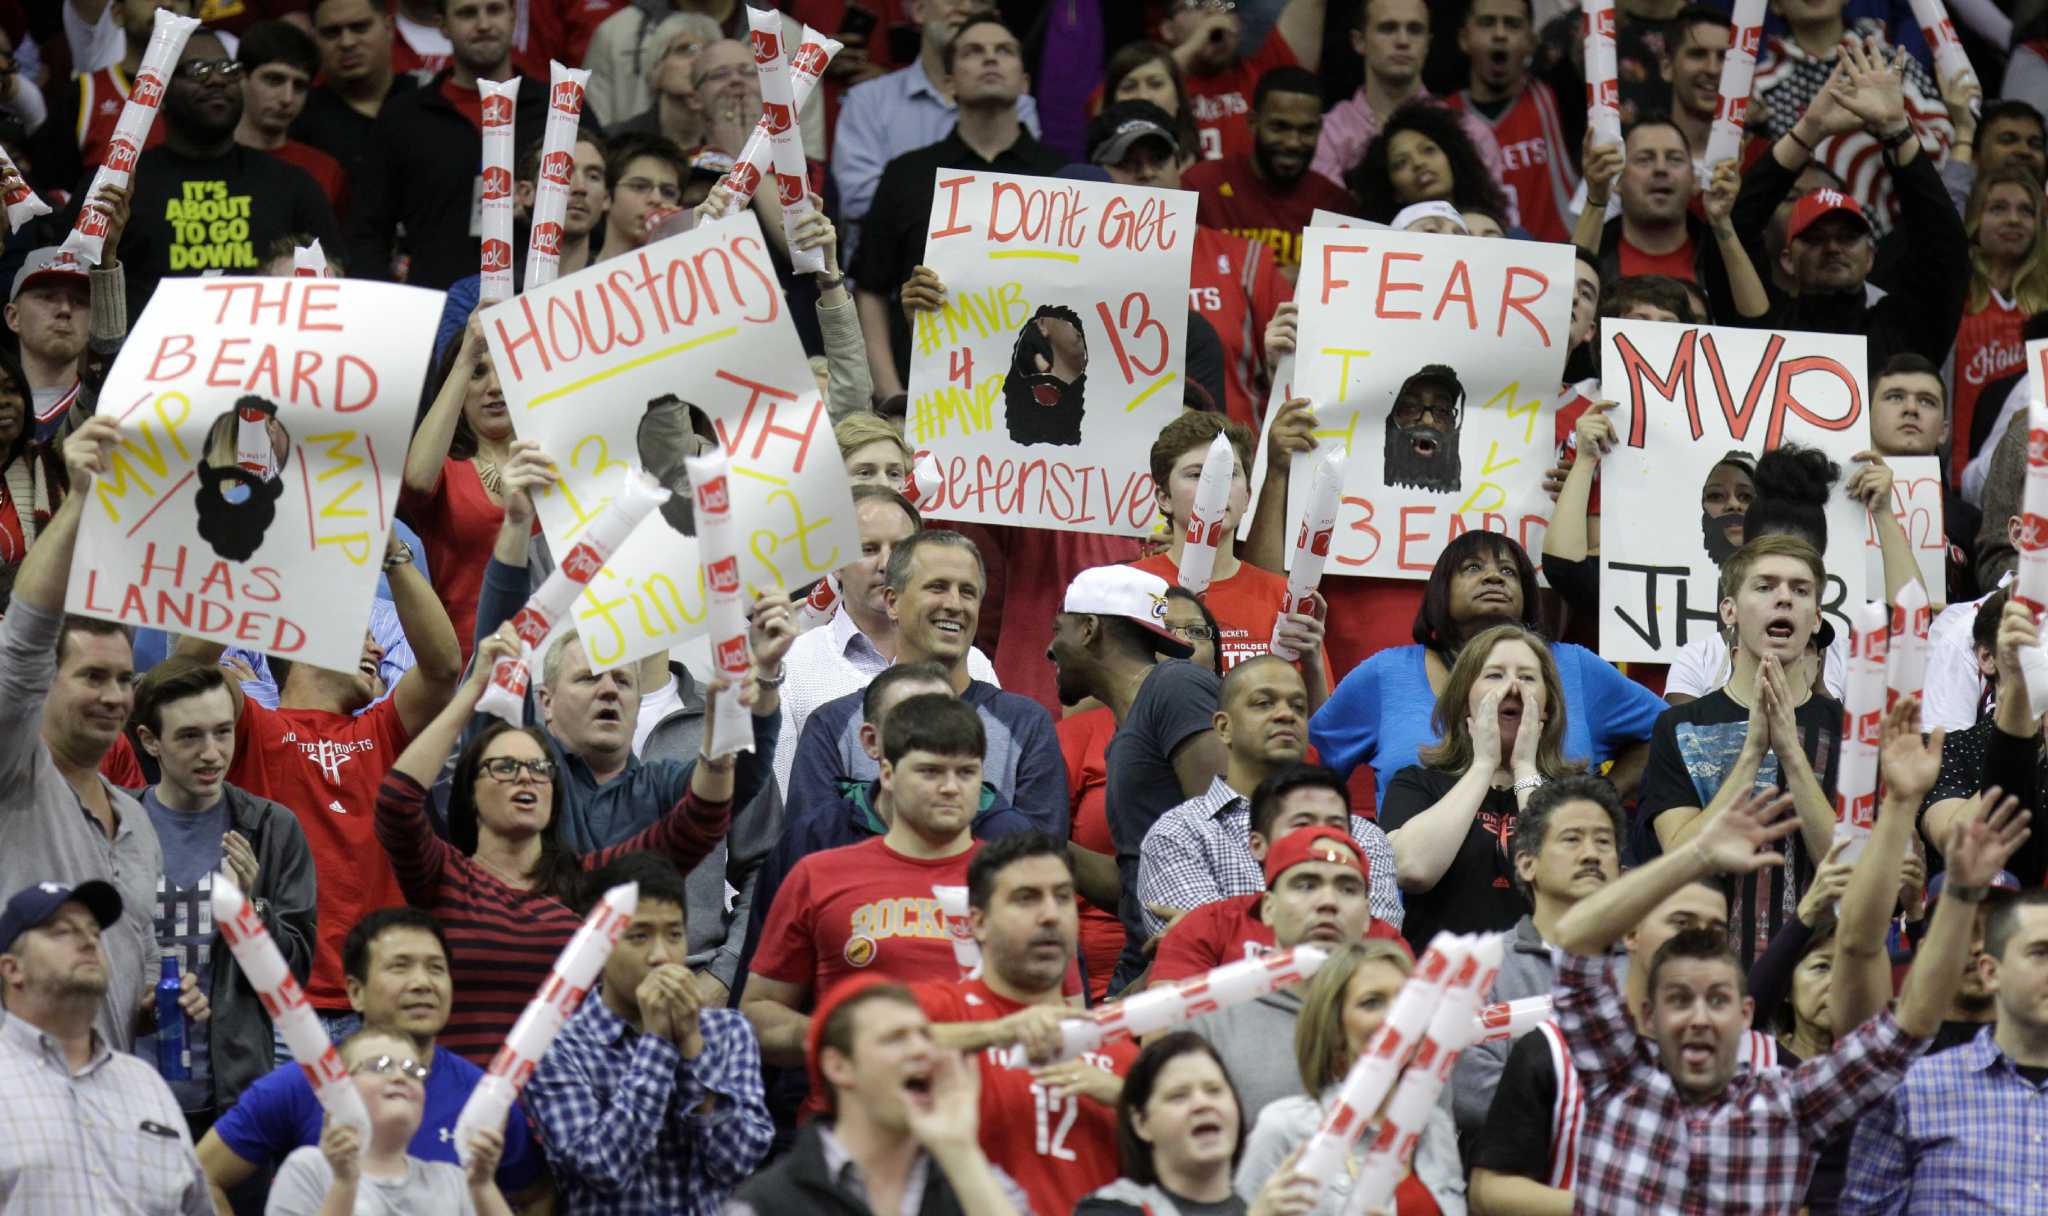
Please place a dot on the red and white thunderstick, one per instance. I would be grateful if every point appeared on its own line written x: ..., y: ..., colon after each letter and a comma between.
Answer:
x: 805, y: 69
x: 718, y: 548
x: 1905, y: 660
x: 500, y: 101
x: 1950, y: 60
x: 927, y: 486
x: 309, y: 261
x: 785, y: 142
x: 1311, y: 545
x: 2030, y: 583
x: 557, y: 163
x: 1204, y: 528
x: 575, y: 971
x: 1863, y: 706
x: 241, y: 927
x: 959, y: 929
x: 505, y: 696
x: 1510, y: 1019
x: 22, y: 203
x: 1738, y: 72
x: 818, y: 605
x: 88, y: 235
x: 1603, y: 92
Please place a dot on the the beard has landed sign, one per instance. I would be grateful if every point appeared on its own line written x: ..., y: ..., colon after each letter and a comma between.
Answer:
x: 1433, y: 362
x: 264, y: 424
x: 1694, y: 400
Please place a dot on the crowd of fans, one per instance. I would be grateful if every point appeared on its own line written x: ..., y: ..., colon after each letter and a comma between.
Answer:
x: 1746, y: 1019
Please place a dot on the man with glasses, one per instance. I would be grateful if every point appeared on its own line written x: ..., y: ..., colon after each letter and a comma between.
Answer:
x: 202, y: 203
x: 1207, y: 41
x: 641, y: 173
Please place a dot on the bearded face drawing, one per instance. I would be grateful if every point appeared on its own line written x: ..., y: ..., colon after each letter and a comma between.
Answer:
x: 241, y: 477
x: 1042, y: 395
x: 1422, y: 431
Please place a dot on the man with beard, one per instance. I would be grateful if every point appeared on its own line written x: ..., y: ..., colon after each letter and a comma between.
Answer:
x: 1269, y: 193
x: 202, y: 202
x: 237, y: 503
x: 1422, y: 431
x: 1536, y: 170
x: 63, y: 1078
x: 1651, y: 173
x: 1207, y: 37
x: 1043, y: 396
x: 427, y: 146
x: 279, y: 61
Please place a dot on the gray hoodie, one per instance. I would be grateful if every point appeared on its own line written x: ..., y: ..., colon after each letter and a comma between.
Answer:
x: 1526, y: 969
x: 1255, y: 1041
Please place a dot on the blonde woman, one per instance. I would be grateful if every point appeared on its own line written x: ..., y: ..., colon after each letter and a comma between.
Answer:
x: 1500, y: 723
x: 1344, y: 1005
x: 2008, y: 284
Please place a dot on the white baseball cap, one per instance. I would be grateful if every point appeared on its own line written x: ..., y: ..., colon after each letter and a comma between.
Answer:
x: 1131, y: 593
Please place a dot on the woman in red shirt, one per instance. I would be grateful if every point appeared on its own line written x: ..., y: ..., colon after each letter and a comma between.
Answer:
x: 2008, y: 284
x: 450, y: 494
x: 30, y: 482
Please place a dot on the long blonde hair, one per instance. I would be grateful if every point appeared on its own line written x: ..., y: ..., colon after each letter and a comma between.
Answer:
x: 1320, y: 1051
x: 2030, y: 281
x: 1452, y: 752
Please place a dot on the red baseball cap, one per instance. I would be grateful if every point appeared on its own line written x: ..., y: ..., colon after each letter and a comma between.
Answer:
x: 1816, y: 204
x: 840, y: 993
x: 1313, y: 844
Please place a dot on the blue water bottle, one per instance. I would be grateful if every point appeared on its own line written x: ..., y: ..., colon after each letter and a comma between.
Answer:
x: 173, y: 1061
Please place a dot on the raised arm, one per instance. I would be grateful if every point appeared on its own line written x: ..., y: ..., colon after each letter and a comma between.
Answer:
x: 1675, y: 825
x: 437, y: 659
x: 45, y: 572
x: 1569, y: 537
x: 1862, y: 983
x: 1871, y: 484
x: 1292, y: 434
x: 1745, y: 287
x: 1301, y: 24
x: 850, y: 387
x: 1975, y: 853
x: 1601, y: 164
x: 429, y: 449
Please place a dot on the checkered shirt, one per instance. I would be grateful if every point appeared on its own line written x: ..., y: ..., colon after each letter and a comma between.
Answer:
x: 1200, y: 852
x: 1750, y: 1150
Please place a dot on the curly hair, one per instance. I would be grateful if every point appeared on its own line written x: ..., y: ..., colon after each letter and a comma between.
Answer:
x: 1472, y: 186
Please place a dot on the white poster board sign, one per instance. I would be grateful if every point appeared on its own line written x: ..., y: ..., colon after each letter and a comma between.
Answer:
x: 1688, y: 395
x: 1042, y: 382
x: 1433, y: 361
x: 1918, y: 505
x: 607, y: 369
x: 264, y: 424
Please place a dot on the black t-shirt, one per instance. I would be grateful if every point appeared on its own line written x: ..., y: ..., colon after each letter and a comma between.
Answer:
x: 221, y: 215
x: 1955, y: 1034
x: 1692, y: 748
x: 1477, y: 894
x: 1516, y: 1139
x: 1176, y: 703
x: 337, y: 128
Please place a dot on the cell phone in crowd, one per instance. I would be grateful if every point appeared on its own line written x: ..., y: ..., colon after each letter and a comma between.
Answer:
x: 857, y: 23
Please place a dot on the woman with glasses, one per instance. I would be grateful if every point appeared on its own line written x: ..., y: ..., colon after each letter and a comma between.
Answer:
x: 347, y: 1173
x: 505, y: 882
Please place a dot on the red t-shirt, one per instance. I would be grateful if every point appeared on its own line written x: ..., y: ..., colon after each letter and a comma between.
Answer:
x: 1083, y: 739
x: 1236, y: 286
x: 1056, y: 1149
x: 327, y: 768
x: 1223, y: 932
x: 1237, y: 201
x: 1677, y: 264
x: 468, y: 102
x: 325, y: 171
x: 1989, y: 347
x: 857, y: 909
x: 458, y: 524
x: 1223, y: 100
x: 1245, y: 606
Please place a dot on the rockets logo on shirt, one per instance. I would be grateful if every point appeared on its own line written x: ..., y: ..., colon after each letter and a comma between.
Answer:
x: 874, y: 923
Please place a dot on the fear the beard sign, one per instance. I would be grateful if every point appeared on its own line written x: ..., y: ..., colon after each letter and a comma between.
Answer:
x: 1689, y: 395
x: 1433, y: 362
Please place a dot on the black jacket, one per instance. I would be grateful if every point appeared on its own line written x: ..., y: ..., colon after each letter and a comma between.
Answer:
x: 239, y: 1032
x: 1707, y: 269
x: 423, y: 171
x: 799, y: 1183
x: 1934, y: 273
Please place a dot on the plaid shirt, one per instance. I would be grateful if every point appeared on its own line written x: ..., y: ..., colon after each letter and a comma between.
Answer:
x: 1200, y: 852
x: 621, y: 1114
x: 1645, y: 1149
x: 1965, y: 1132
x: 108, y: 1138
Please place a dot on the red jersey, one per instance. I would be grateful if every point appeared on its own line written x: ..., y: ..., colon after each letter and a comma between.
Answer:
x: 1988, y: 347
x: 1223, y: 100
x: 1065, y: 1147
x: 1237, y: 200
x: 1536, y: 162
x: 102, y: 95
x: 1245, y: 606
x: 1236, y: 286
x: 1083, y: 739
x: 327, y: 768
x: 1223, y: 932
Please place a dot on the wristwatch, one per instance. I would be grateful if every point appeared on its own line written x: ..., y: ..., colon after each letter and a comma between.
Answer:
x: 781, y: 673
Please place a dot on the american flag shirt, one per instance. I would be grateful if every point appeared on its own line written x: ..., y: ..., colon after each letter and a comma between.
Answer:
x: 1750, y: 1150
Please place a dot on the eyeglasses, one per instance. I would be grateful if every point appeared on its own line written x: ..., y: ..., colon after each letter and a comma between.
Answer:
x: 384, y: 1066
x: 200, y: 71
x: 1192, y: 633
x: 1411, y: 413
x: 641, y: 185
x: 506, y: 768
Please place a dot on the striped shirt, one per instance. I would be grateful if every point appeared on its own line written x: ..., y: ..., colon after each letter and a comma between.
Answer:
x: 107, y: 1138
x: 502, y: 943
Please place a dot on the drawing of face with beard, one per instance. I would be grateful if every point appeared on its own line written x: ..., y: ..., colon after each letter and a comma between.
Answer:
x: 1422, y: 431
x: 1724, y: 499
x: 1048, y: 377
x: 669, y: 432
x: 241, y: 477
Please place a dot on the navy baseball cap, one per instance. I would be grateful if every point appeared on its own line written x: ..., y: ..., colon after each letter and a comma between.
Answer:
x: 32, y: 907
x: 2003, y: 882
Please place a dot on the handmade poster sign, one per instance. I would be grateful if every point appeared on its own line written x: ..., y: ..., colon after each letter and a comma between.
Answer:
x: 1688, y: 395
x: 1917, y: 502
x: 1042, y: 382
x: 642, y: 361
x: 1433, y: 362
x: 263, y: 429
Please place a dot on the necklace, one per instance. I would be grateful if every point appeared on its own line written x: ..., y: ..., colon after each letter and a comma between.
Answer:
x: 487, y: 472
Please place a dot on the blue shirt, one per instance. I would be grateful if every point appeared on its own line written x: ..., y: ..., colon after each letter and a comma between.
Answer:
x: 1380, y: 713
x: 1964, y: 1132
x: 279, y: 1113
x: 624, y: 1112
